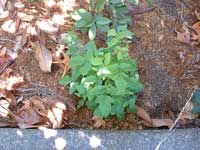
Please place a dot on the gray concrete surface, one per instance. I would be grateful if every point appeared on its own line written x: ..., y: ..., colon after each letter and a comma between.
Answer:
x: 30, y: 139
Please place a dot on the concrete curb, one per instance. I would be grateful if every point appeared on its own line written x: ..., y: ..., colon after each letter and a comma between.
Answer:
x: 31, y: 139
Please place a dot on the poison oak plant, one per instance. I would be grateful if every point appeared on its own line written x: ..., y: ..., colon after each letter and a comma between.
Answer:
x: 92, y: 20
x: 105, y: 79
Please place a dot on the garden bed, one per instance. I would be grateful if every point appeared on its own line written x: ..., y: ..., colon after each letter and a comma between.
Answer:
x: 166, y: 66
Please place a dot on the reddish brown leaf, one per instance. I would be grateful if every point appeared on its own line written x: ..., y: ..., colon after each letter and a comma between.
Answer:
x: 43, y: 55
x: 162, y: 122
x: 153, y: 122
x: 32, y: 112
x: 196, y: 27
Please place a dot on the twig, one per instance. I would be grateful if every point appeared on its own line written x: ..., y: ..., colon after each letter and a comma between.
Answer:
x: 8, y: 64
x: 172, y: 129
x: 182, y: 15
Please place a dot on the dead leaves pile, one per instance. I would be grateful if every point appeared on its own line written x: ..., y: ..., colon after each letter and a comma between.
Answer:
x: 38, y: 23
x: 31, y: 113
x: 188, y: 36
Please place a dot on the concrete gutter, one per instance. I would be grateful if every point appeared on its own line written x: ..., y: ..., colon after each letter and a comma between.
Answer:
x: 31, y: 139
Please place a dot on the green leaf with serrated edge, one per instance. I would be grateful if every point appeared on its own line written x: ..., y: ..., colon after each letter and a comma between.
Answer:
x: 92, y: 32
x: 65, y: 81
x: 121, y: 84
x: 104, y: 107
x: 102, y: 20
x: 100, y: 5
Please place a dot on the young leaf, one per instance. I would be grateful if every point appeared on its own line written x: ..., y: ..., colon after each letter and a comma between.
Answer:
x: 100, y: 5
x: 102, y: 20
x: 92, y: 32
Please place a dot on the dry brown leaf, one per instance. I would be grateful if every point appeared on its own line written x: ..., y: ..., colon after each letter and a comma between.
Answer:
x: 197, y: 14
x: 196, y: 27
x: 162, y: 122
x: 2, y: 5
x: 183, y: 37
x: 25, y: 17
x: 57, y: 113
x: 43, y: 55
x: 143, y: 114
x: 47, y: 26
x: 9, y: 26
x: 98, y: 122
x: 32, y: 112
x: 153, y: 122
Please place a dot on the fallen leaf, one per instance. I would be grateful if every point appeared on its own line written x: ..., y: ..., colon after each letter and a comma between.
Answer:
x: 47, y: 26
x: 25, y: 17
x: 56, y: 114
x: 2, y: 5
x: 9, y: 26
x: 143, y: 114
x: 30, y: 112
x: 183, y: 36
x: 43, y: 55
x: 153, y: 122
x: 197, y: 14
x: 98, y: 122
x: 162, y: 122
x: 196, y: 27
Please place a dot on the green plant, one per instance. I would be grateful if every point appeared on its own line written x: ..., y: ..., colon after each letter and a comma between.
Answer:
x: 92, y: 20
x: 196, y: 101
x: 119, y: 10
x: 105, y: 79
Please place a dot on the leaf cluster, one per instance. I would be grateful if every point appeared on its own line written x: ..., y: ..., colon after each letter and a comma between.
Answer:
x: 92, y: 20
x: 105, y: 79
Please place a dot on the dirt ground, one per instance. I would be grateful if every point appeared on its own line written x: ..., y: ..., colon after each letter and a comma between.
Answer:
x: 164, y: 67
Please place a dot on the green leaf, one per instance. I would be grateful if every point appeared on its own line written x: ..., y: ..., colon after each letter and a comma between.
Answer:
x: 81, y: 103
x: 196, y: 97
x: 121, y: 84
x: 104, y: 107
x: 81, y: 13
x: 100, y: 5
x: 85, y: 69
x: 111, y: 32
x: 77, y: 61
x: 96, y: 61
x: 84, y: 23
x: 107, y: 58
x: 91, y: 6
x: 92, y: 32
x: 102, y: 20
x: 97, y: 90
x: 131, y: 105
x: 65, y: 81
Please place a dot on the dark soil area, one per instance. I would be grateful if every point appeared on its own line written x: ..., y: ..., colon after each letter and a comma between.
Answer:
x: 164, y: 67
